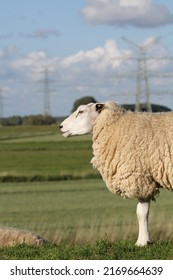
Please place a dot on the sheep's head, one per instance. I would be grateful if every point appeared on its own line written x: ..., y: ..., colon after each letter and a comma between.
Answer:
x: 82, y: 120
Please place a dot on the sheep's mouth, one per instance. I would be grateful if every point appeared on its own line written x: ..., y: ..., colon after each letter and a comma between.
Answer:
x: 66, y: 133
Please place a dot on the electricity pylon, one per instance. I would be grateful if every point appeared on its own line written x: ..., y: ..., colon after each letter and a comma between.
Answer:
x: 1, y: 104
x: 46, y: 91
x: 47, y: 110
x: 142, y: 76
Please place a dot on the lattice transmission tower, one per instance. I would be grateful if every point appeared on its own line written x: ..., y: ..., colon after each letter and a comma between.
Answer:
x: 1, y: 104
x: 47, y: 109
x: 46, y: 91
x: 142, y: 80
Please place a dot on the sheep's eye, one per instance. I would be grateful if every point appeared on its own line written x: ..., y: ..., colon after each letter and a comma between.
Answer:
x: 80, y: 112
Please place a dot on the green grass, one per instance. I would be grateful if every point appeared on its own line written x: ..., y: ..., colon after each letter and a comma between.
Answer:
x: 101, y: 250
x: 30, y: 154
x: 14, y: 133
x: 46, y: 159
x: 20, y: 134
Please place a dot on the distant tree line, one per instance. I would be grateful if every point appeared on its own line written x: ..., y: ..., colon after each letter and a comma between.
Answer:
x: 155, y: 107
x: 48, y: 120
x: 82, y: 101
x: 28, y: 120
x: 131, y: 107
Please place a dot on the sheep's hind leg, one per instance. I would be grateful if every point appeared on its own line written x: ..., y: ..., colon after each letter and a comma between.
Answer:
x: 142, y: 212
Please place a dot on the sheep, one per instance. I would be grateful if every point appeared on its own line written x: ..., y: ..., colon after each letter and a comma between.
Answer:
x: 13, y: 236
x: 133, y: 151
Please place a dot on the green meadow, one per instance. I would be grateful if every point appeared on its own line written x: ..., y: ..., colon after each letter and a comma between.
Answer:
x: 42, y: 152
x: 49, y: 187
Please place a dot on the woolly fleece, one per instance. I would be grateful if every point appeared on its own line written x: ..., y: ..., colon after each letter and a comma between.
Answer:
x: 134, y: 151
x: 12, y: 237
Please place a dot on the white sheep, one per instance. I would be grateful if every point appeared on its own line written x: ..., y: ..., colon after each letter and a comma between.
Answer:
x: 132, y: 151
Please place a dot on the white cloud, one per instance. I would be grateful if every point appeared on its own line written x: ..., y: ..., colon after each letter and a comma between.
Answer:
x: 77, y: 68
x: 33, y: 59
x: 85, y: 67
x: 99, y: 59
x: 138, y: 13
x: 33, y: 65
x: 92, y: 66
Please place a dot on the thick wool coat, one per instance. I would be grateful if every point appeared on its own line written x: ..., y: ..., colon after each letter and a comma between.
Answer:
x: 134, y: 151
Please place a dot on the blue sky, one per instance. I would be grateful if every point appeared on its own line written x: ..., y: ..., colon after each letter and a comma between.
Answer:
x: 80, y: 45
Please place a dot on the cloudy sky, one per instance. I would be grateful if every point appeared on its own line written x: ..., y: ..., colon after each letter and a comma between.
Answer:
x: 73, y: 48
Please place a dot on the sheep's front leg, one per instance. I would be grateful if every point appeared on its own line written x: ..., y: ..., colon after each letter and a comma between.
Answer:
x: 142, y: 212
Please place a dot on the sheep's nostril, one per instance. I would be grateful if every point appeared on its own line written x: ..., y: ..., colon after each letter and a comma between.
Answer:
x: 61, y: 126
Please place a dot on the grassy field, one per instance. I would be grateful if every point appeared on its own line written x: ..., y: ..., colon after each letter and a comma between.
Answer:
x: 33, y: 154
x: 80, y: 216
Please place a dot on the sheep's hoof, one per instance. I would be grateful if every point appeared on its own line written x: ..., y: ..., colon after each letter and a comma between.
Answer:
x: 143, y: 243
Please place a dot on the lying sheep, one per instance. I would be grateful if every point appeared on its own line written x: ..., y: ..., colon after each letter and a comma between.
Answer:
x: 12, y: 237
x: 132, y: 151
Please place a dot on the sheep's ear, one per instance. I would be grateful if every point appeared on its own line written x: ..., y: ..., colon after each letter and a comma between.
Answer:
x: 99, y: 107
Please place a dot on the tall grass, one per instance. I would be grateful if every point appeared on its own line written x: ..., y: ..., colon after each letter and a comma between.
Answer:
x: 79, y: 211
